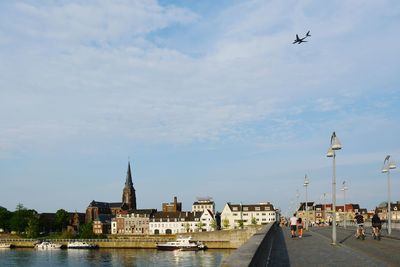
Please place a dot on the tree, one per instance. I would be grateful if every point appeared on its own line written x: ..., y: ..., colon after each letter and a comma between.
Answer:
x: 225, y: 223
x: 19, y: 220
x: 214, y: 225
x: 187, y: 227
x: 5, y: 218
x: 61, y: 220
x: 86, y: 230
x: 253, y: 220
x: 32, y: 230
x: 240, y: 224
x: 199, y: 226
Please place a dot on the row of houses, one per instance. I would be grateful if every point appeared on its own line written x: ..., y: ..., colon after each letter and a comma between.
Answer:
x: 323, y: 212
x: 172, y: 220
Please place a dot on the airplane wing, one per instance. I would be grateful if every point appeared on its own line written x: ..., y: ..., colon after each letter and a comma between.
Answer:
x: 308, y: 33
x: 297, y: 37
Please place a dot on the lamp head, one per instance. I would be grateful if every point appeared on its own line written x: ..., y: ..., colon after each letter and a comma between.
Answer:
x: 335, y: 142
x: 330, y: 153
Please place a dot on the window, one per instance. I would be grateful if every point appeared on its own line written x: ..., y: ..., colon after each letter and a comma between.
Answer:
x: 235, y: 208
x: 245, y: 208
x: 257, y: 208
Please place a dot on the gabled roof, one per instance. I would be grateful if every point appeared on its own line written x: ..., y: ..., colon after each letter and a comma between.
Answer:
x: 251, y: 207
x: 203, y: 202
x: 144, y: 211
x: 186, y: 215
x: 303, y: 205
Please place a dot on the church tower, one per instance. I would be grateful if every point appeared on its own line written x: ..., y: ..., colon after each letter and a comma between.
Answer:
x: 128, y: 194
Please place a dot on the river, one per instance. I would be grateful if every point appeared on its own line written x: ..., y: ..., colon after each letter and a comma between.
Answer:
x: 111, y: 257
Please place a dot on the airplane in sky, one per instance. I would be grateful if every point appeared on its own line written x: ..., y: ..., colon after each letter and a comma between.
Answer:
x: 301, y: 40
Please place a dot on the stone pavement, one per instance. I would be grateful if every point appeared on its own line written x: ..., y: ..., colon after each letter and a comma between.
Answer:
x: 315, y: 249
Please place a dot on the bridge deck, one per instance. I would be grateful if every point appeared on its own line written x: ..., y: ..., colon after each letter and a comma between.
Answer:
x: 315, y: 249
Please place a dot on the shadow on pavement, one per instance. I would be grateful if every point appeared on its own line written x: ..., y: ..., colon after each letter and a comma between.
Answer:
x: 279, y: 254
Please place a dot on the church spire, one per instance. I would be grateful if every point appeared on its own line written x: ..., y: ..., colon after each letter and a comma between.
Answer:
x: 128, y: 181
x: 128, y: 194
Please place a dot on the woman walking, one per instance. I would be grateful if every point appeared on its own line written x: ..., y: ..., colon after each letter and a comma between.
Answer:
x: 300, y: 227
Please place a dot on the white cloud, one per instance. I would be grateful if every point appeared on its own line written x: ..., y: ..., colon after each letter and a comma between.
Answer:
x: 93, y: 68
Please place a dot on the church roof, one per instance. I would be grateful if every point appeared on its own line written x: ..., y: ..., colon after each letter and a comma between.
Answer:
x: 100, y: 204
x: 128, y: 181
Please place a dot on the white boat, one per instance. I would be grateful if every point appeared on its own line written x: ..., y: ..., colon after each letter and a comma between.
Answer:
x: 5, y: 245
x: 80, y: 245
x: 181, y: 243
x: 48, y: 245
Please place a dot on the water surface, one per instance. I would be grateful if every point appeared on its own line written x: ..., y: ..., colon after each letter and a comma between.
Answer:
x: 111, y: 257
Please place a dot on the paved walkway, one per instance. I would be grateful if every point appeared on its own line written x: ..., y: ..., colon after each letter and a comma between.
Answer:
x: 315, y: 249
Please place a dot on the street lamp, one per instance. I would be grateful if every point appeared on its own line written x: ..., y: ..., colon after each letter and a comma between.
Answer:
x: 335, y: 145
x: 306, y: 183
x: 344, y: 188
x: 297, y: 196
x: 387, y: 166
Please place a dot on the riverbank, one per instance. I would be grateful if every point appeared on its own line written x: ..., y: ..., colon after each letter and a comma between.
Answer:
x: 224, y: 239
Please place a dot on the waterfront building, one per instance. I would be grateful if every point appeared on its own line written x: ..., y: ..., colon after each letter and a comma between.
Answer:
x: 322, y: 213
x: 180, y: 222
x: 233, y: 214
x: 173, y: 206
x: 202, y: 204
x: 132, y: 223
x: 97, y: 208
x: 382, y: 210
x: 208, y: 221
x: 102, y: 224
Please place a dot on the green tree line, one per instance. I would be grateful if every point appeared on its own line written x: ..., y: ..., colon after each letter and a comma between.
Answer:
x: 28, y: 223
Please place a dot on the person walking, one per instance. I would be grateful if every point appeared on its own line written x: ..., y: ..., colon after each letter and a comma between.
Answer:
x: 293, y: 225
x: 376, y: 226
x: 359, y: 220
x: 300, y: 227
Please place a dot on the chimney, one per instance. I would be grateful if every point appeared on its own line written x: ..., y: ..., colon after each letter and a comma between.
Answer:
x: 175, y: 199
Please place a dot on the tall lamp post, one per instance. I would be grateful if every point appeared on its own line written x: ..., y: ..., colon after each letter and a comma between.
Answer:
x: 297, y: 196
x: 306, y: 183
x: 344, y: 188
x: 335, y: 145
x: 387, y: 166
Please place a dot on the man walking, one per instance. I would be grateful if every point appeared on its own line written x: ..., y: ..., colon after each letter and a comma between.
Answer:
x: 293, y: 225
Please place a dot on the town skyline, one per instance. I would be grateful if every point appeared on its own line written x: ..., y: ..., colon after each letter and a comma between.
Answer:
x: 204, y: 99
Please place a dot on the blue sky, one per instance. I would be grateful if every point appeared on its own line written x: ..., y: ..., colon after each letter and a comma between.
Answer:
x: 205, y: 99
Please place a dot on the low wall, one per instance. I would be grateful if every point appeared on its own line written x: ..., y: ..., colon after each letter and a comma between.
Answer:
x: 224, y: 239
x: 255, y: 252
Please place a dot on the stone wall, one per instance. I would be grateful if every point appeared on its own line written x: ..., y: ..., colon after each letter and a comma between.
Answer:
x: 255, y: 252
x: 224, y: 239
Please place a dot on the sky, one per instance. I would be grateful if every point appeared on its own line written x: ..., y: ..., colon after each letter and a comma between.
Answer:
x: 205, y: 98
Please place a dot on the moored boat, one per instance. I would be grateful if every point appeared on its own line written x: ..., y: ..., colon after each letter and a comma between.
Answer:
x: 181, y: 243
x: 80, y: 245
x: 48, y: 245
x: 5, y: 245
